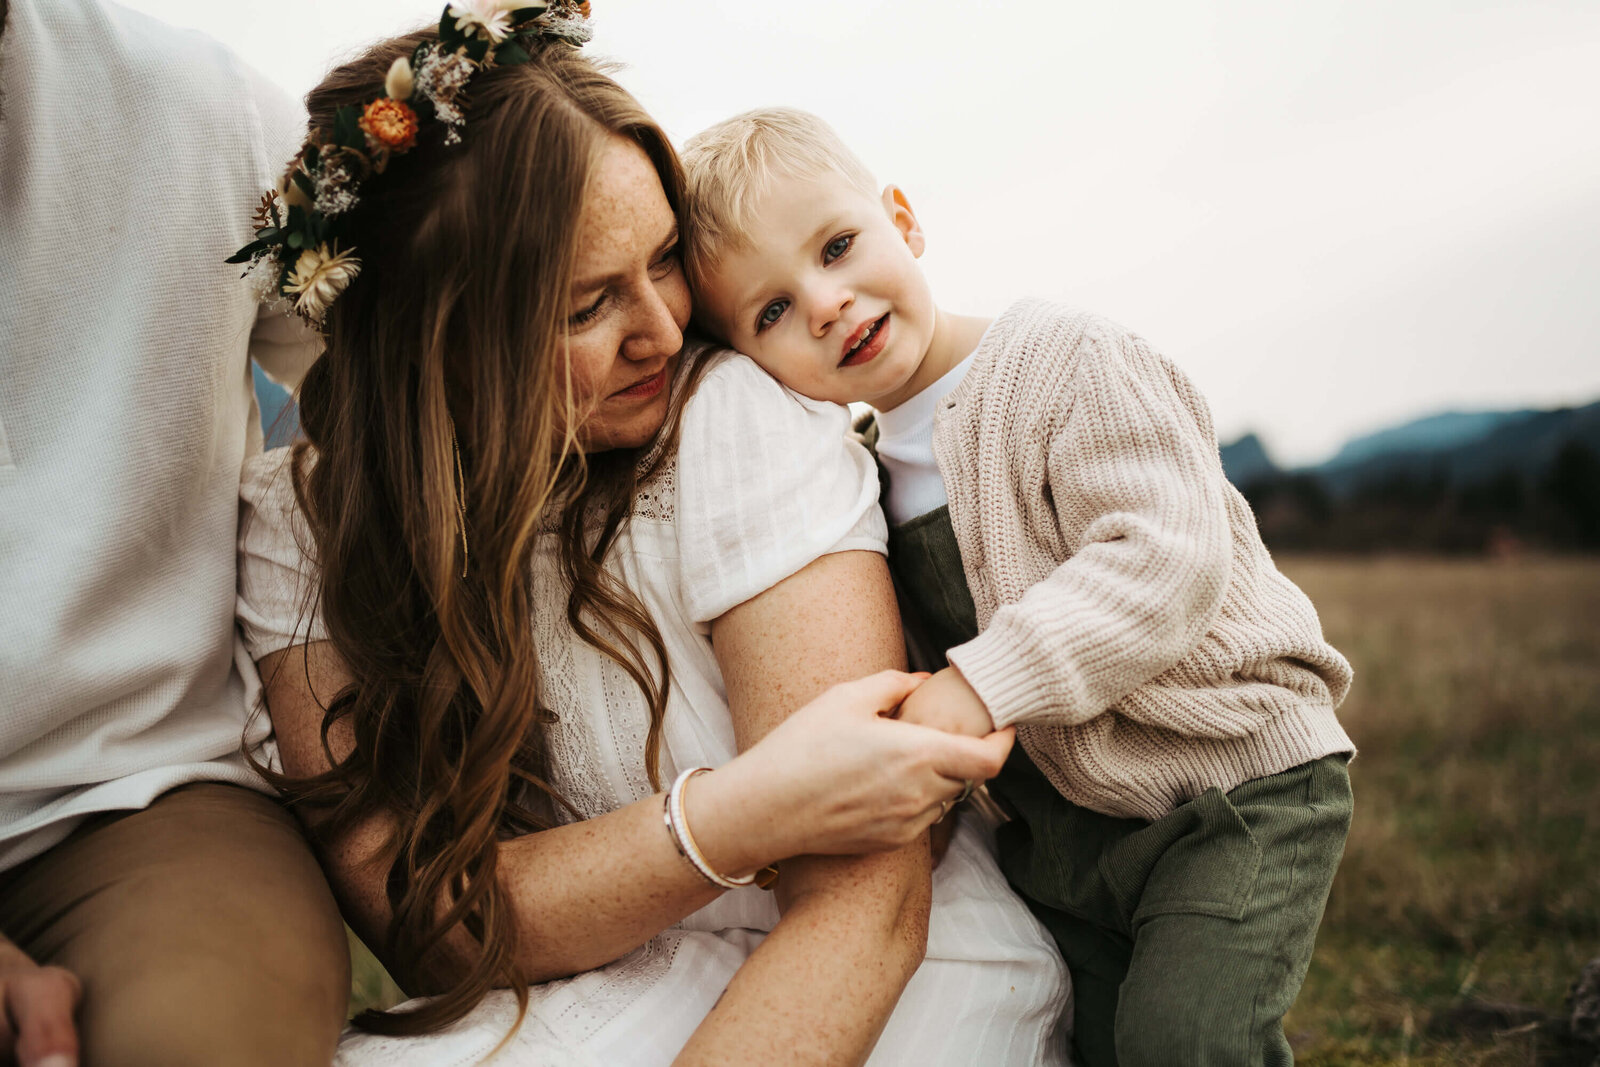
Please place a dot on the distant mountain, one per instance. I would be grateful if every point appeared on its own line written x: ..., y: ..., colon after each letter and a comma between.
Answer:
x: 1246, y: 460
x: 1481, y: 482
x: 1434, y: 433
x: 1520, y: 443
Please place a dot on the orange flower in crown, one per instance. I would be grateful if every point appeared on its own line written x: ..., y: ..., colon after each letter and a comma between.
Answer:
x: 390, y: 123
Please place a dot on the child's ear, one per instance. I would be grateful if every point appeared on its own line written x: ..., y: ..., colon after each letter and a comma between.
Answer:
x: 899, y: 211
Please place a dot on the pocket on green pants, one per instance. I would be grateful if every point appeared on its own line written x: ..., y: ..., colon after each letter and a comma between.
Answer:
x: 1202, y: 859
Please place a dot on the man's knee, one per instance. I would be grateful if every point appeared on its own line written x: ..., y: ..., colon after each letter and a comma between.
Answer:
x: 206, y: 935
x: 235, y: 1010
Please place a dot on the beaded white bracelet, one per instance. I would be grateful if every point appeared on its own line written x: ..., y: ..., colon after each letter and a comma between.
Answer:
x: 678, y: 827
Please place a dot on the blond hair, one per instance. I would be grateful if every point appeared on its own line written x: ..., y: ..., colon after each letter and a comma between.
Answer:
x: 728, y: 166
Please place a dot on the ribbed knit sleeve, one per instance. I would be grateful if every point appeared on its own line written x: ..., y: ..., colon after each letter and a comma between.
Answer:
x: 767, y: 481
x: 1133, y: 472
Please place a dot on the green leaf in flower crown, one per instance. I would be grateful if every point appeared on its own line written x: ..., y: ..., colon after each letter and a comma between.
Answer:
x: 511, y: 53
x: 313, y: 157
x: 449, y: 36
x: 527, y: 14
x: 477, y: 48
x: 303, y: 180
x: 248, y: 252
x: 270, y: 235
x: 347, y: 128
x: 296, y: 239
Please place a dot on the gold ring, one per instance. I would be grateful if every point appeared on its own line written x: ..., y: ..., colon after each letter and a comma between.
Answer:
x: 944, y: 809
x: 967, y: 786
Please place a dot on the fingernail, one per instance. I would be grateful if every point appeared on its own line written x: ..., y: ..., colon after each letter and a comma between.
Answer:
x: 59, y: 1059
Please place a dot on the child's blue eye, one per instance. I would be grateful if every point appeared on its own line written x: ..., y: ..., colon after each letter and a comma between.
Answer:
x: 837, y: 247
x: 771, y: 314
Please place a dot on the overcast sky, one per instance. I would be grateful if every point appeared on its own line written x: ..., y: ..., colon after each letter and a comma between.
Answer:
x: 1334, y: 216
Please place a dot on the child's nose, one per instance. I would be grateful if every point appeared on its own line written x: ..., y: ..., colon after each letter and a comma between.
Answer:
x: 827, y: 308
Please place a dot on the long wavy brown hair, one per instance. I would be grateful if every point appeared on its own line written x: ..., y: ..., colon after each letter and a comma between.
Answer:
x: 454, y: 333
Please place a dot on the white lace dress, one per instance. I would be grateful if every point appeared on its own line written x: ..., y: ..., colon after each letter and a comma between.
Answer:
x: 763, y: 484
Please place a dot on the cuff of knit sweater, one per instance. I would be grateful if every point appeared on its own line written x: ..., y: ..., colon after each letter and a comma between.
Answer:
x: 991, y: 665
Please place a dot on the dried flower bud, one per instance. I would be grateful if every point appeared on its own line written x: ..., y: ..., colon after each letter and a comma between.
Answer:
x: 400, y: 81
x: 293, y: 195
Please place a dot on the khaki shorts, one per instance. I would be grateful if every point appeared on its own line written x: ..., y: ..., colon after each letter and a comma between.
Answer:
x: 202, y: 929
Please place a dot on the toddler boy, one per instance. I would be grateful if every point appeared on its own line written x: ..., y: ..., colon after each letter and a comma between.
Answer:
x: 1063, y: 532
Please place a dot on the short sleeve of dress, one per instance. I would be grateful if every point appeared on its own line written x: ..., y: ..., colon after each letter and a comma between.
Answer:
x: 276, y: 603
x: 768, y: 481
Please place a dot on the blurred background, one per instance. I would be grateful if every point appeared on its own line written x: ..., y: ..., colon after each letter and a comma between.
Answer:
x: 1370, y: 231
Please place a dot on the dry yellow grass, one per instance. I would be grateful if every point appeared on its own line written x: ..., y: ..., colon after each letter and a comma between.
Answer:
x: 1473, y: 867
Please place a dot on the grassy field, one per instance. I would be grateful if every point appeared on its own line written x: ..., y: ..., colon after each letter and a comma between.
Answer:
x: 1472, y: 874
x: 1470, y: 892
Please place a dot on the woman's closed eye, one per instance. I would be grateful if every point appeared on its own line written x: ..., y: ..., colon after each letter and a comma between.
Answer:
x: 837, y: 247
x: 771, y: 314
x: 590, y: 313
x: 665, y: 264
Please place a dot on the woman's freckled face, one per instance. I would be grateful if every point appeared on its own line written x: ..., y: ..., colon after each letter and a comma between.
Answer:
x: 629, y: 303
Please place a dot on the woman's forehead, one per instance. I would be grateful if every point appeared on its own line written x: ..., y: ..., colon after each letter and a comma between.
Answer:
x: 625, y: 212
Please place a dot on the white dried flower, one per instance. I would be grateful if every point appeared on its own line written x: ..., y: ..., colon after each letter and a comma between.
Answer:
x: 574, y: 29
x: 442, y: 75
x: 335, y: 200
x: 399, y: 82
x: 318, y: 277
x: 336, y: 192
x: 262, y: 277
x: 490, y: 19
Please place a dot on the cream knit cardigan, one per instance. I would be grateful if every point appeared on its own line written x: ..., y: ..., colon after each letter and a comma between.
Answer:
x: 1133, y: 625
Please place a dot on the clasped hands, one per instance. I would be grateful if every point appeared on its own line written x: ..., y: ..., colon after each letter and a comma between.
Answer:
x: 840, y: 776
x: 947, y: 701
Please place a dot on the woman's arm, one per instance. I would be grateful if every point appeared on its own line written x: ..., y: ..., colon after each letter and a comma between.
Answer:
x: 590, y: 892
x: 822, y: 985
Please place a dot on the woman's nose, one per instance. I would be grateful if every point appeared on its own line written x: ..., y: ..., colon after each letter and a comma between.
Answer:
x: 657, y: 330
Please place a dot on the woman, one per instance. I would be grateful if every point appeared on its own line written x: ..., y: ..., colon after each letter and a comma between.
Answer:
x: 494, y: 404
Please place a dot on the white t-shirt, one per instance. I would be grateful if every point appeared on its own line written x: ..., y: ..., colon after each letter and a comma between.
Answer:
x: 905, y: 448
x: 131, y: 157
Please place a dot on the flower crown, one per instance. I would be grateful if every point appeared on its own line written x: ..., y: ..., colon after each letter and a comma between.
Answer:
x: 296, y: 254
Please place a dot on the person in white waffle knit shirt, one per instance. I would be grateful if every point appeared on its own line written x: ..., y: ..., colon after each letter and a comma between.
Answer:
x: 144, y: 867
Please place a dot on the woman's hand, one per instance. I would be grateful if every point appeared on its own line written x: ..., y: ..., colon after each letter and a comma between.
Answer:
x: 838, y: 776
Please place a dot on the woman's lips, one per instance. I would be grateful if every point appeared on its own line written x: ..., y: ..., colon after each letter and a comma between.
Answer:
x: 644, y: 389
x: 869, y: 351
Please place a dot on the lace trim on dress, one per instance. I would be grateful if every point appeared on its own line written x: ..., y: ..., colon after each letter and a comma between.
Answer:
x: 621, y: 983
x: 575, y: 770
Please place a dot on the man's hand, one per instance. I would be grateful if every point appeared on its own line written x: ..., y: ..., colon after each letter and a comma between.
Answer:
x: 946, y: 702
x: 36, y: 1009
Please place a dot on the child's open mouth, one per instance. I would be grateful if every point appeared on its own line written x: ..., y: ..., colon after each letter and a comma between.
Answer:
x: 867, y: 343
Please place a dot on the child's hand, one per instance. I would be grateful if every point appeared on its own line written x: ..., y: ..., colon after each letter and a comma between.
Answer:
x: 946, y: 702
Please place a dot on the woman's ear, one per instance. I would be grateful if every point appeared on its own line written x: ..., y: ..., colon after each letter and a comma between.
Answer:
x: 898, y: 208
